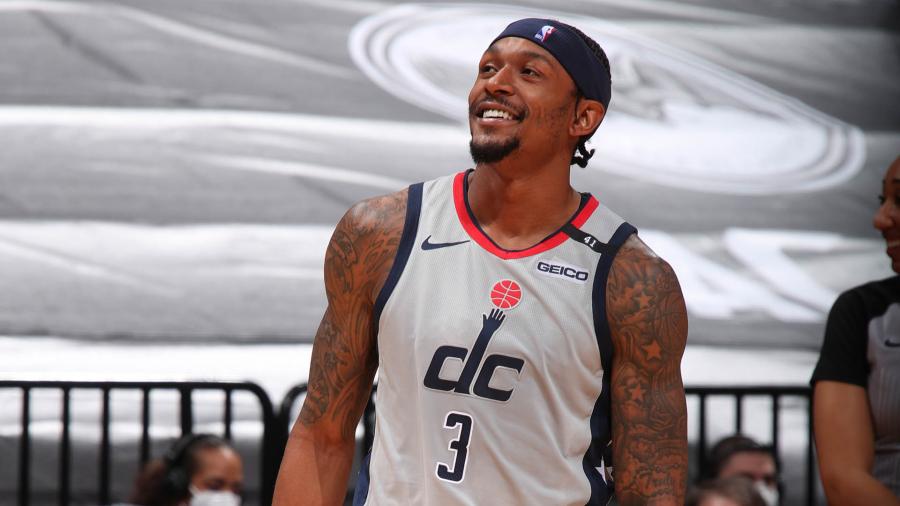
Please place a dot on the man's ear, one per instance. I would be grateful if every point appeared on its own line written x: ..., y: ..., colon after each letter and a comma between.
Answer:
x: 588, y: 115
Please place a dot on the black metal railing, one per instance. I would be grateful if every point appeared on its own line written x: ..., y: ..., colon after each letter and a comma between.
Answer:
x: 738, y: 394
x: 270, y: 447
x: 276, y: 422
x: 775, y: 394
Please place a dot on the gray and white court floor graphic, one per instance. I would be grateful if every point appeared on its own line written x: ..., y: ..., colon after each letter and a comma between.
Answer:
x: 171, y: 173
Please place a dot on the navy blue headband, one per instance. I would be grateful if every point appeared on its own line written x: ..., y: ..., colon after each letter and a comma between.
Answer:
x: 570, y: 51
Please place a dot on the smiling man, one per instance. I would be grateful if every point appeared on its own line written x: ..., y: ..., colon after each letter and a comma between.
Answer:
x: 526, y: 340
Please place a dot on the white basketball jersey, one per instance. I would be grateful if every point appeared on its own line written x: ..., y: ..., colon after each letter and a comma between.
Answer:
x: 493, y: 364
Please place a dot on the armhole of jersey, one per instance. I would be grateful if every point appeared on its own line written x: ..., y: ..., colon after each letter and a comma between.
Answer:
x: 404, y: 249
x: 598, y: 296
x: 599, y: 454
x: 361, y: 492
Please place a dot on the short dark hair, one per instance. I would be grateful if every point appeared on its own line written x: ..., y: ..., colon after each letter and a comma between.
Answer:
x: 581, y: 155
x: 727, y: 447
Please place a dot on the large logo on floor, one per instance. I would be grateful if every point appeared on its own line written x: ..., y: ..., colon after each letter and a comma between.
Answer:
x: 675, y: 118
x: 504, y: 295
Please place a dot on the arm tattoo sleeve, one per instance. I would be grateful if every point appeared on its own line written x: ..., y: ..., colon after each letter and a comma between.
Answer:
x: 648, y: 321
x: 344, y: 356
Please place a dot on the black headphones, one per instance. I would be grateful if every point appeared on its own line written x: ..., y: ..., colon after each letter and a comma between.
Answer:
x: 177, y: 480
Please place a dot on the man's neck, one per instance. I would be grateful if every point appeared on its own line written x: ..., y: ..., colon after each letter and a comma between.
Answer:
x: 517, y: 207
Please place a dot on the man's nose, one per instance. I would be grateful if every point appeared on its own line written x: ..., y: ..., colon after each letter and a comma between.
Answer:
x: 882, y: 219
x: 500, y: 83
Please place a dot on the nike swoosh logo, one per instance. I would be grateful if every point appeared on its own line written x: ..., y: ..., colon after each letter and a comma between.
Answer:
x: 427, y: 245
x: 891, y: 344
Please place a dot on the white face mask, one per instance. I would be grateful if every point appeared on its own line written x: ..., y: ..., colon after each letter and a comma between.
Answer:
x: 213, y: 498
x: 768, y: 494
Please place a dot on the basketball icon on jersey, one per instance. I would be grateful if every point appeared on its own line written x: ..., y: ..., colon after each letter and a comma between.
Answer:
x: 506, y: 294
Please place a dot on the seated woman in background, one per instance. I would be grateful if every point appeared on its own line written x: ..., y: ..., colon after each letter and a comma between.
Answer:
x: 198, y: 470
x: 856, y: 397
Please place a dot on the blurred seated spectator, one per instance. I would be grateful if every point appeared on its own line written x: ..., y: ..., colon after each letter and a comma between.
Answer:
x: 734, y: 491
x: 740, y: 455
x: 198, y: 470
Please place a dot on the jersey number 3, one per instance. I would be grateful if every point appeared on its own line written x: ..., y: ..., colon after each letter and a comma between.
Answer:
x: 459, y: 447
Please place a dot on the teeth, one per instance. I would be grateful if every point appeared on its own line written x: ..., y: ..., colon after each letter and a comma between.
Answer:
x: 892, y: 244
x: 496, y: 113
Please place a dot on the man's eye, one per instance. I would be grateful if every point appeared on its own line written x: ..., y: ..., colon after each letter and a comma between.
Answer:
x: 529, y: 71
x: 881, y: 199
x: 487, y: 68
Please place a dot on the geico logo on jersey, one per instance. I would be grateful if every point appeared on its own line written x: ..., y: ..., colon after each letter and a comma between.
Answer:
x: 563, y: 271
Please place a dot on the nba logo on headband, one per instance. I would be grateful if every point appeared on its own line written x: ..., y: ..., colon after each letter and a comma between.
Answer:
x: 545, y: 32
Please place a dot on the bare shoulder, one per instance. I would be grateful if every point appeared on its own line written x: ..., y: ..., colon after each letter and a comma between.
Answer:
x: 383, y: 211
x: 643, y: 294
x: 364, y: 244
x: 635, y: 256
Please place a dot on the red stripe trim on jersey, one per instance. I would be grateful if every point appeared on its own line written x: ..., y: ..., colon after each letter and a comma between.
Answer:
x: 468, y: 224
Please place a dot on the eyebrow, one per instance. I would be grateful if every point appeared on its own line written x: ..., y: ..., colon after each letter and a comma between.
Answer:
x: 531, y: 54
x: 537, y: 56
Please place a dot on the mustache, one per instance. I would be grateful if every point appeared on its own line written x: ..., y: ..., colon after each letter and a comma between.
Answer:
x: 521, y: 114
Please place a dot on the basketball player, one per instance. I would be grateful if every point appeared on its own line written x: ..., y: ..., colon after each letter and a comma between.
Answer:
x: 526, y: 340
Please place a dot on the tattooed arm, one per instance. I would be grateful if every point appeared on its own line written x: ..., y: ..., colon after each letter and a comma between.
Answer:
x: 648, y: 321
x: 319, y: 452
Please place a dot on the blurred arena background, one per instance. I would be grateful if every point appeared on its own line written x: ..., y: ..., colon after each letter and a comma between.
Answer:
x: 171, y: 171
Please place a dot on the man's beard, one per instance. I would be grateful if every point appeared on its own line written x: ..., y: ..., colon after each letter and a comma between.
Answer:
x: 492, y: 152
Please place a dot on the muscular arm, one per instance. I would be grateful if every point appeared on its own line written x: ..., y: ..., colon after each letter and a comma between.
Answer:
x: 319, y: 452
x: 844, y: 439
x: 648, y: 322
